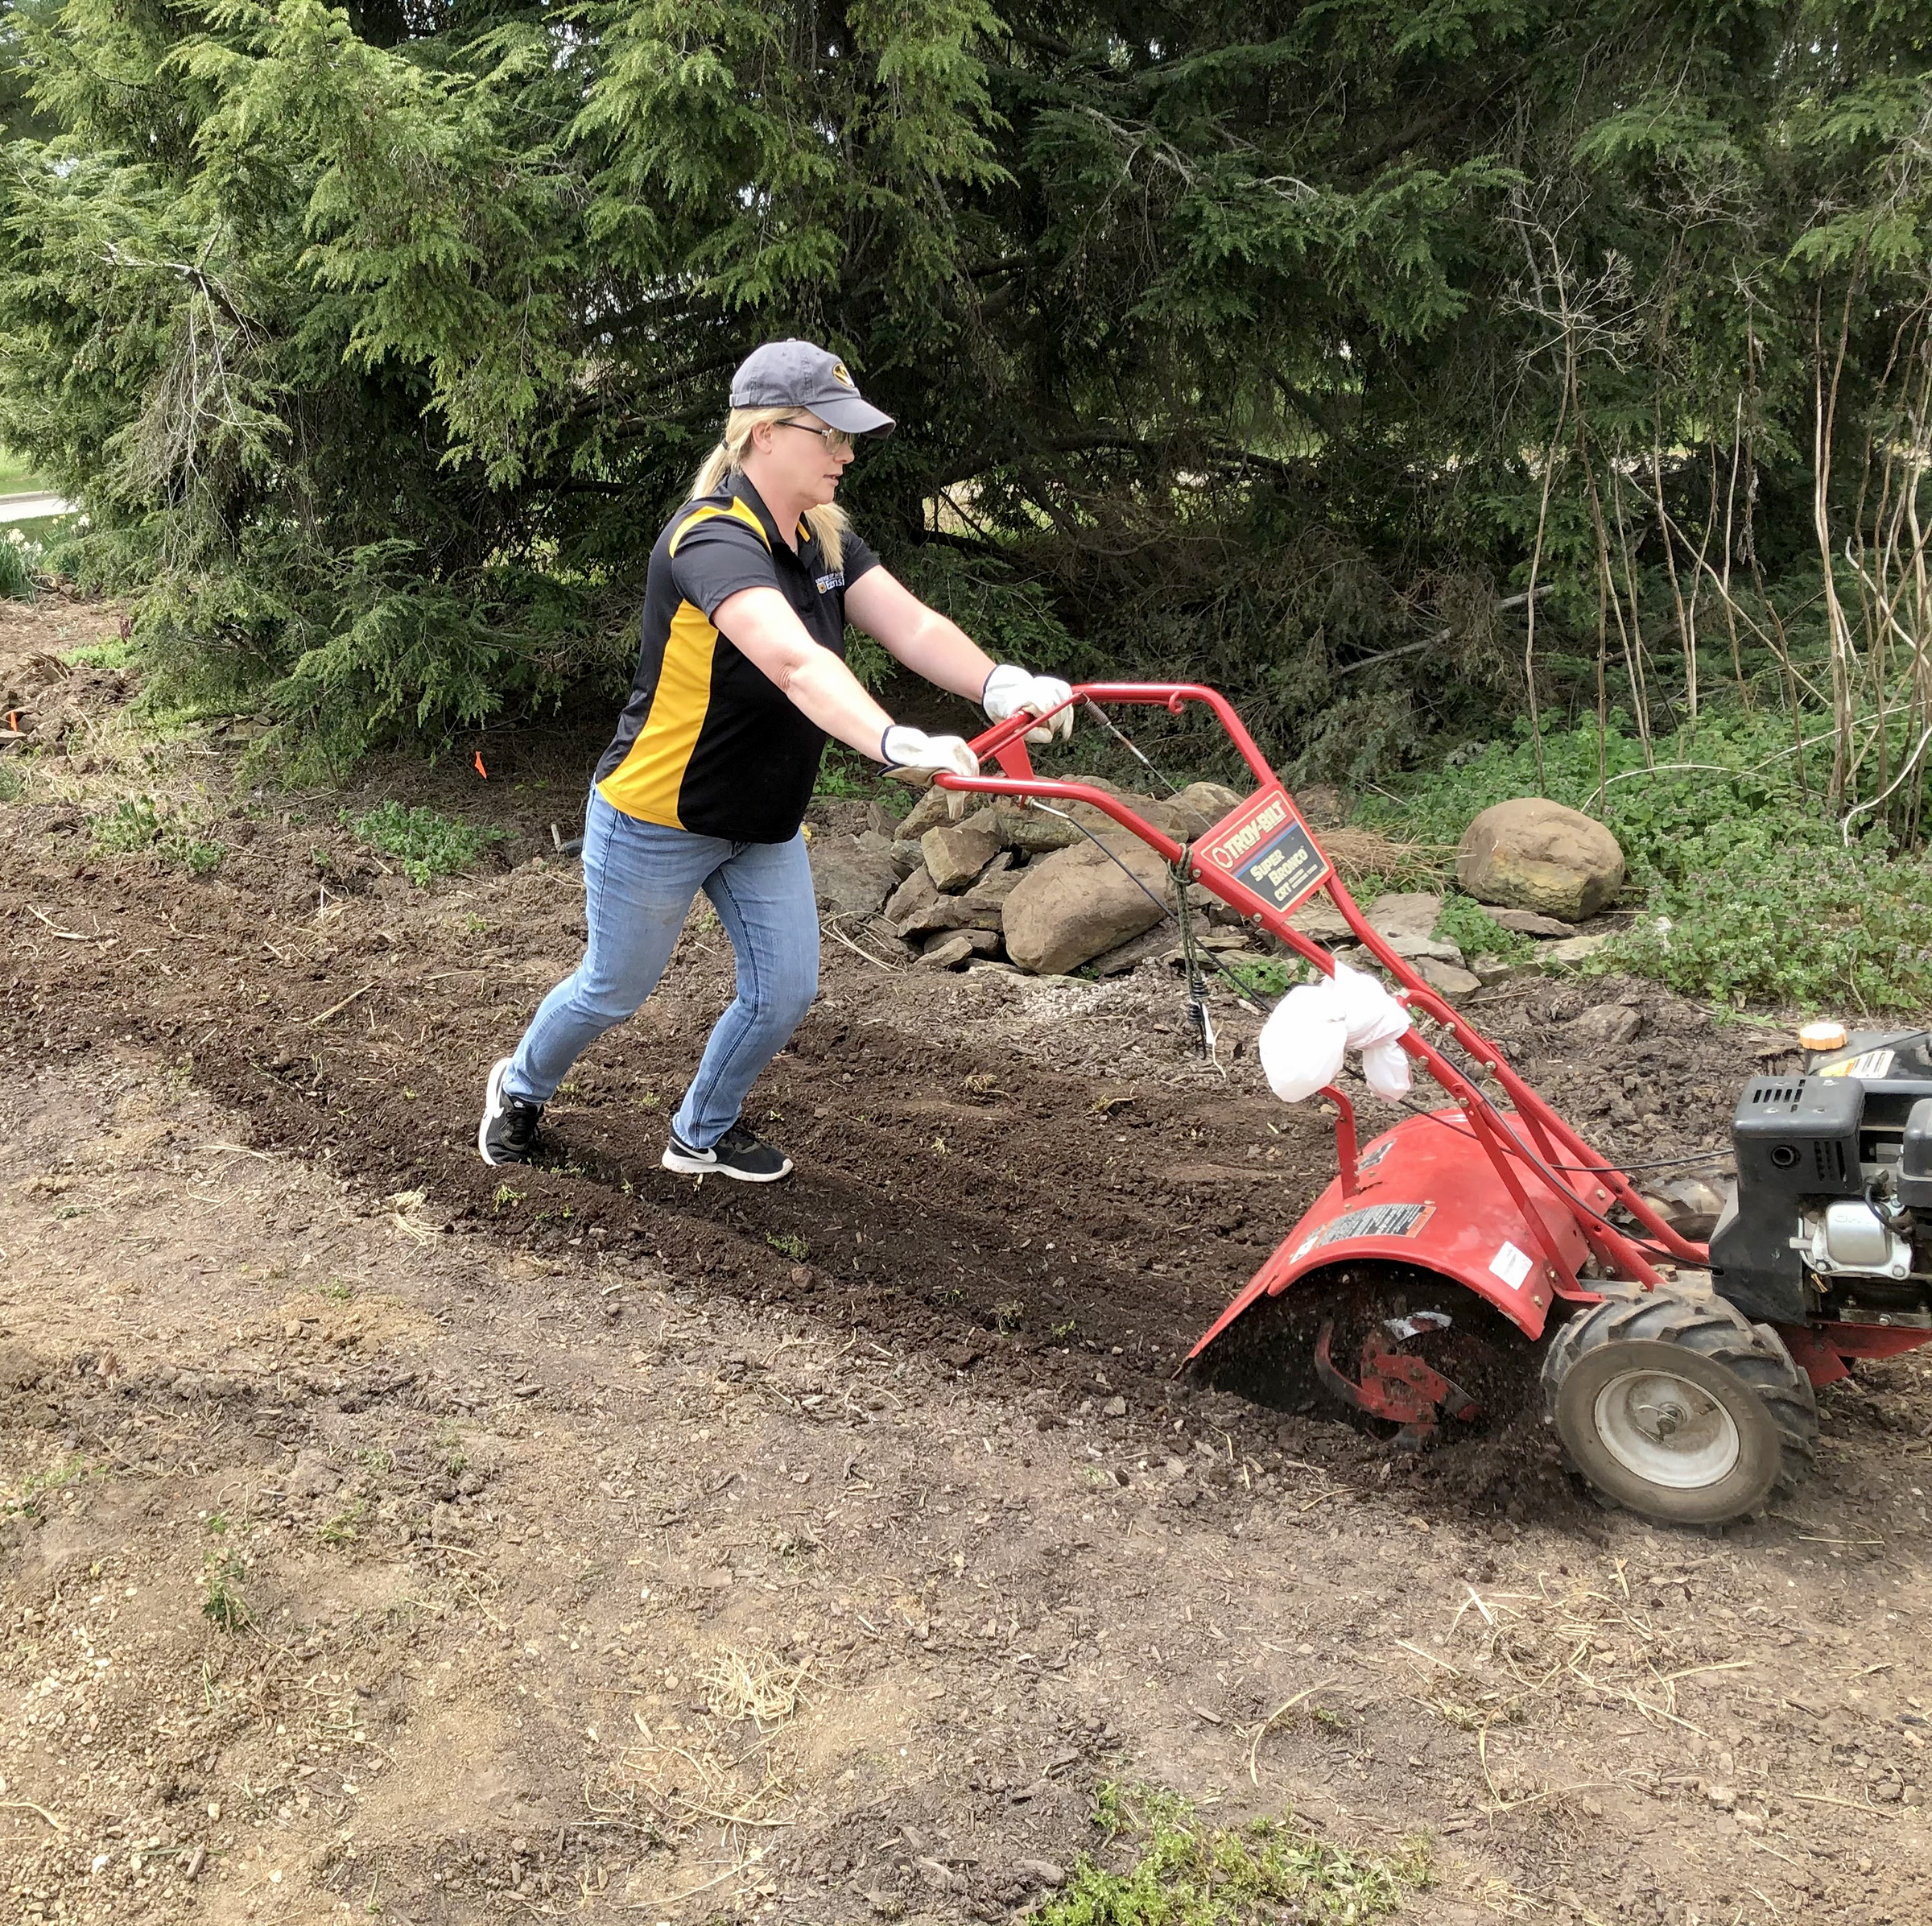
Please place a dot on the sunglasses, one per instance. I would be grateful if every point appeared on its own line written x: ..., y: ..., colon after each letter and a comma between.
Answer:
x: 834, y: 439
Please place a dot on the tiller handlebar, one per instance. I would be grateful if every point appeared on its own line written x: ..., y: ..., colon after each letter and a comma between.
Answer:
x: 1540, y: 1183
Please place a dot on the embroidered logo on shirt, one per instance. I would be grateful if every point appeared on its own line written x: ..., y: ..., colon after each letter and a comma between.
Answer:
x: 828, y: 583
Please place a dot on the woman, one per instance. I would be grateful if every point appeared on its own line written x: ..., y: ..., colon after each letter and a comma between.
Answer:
x: 740, y: 678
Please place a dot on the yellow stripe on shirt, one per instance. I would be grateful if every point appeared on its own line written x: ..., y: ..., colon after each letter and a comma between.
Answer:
x: 648, y: 782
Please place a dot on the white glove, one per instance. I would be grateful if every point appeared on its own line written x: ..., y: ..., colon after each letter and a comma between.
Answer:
x: 1374, y: 1016
x: 1302, y: 1042
x: 1385, y: 1069
x: 917, y: 756
x: 1010, y: 689
x: 1310, y: 1031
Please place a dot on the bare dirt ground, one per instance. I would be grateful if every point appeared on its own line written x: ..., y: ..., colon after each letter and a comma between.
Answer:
x: 386, y: 1536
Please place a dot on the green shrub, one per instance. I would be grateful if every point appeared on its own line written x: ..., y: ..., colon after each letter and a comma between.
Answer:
x: 1268, y: 977
x: 425, y: 843
x: 13, y: 784
x: 1466, y: 924
x: 1186, y: 1874
x: 1751, y: 893
x: 133, y: 824
x: 1835, y: 931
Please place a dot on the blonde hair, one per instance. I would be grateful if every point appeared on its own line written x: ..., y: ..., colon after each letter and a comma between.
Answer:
x: 828, y: 523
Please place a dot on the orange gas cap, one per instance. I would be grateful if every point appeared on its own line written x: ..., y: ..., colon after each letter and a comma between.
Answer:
x: 1820, y: 1039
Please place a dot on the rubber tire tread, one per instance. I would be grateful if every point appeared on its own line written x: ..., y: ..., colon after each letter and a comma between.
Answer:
x: 1753, y: 1353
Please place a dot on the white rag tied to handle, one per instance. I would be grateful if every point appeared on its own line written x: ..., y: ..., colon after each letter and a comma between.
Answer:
x: 1314, y: 1028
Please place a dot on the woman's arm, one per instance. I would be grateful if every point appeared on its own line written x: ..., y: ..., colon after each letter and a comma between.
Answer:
x: 761, y: 625
x: 923, y: 639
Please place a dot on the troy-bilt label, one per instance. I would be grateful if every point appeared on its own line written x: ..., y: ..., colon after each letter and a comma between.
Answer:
x: 1268, y: 847
x: 1371, y: 1220
x: 1872, y: 1066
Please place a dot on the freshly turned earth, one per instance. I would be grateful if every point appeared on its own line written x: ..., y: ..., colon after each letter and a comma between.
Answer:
x: 528, y: 1491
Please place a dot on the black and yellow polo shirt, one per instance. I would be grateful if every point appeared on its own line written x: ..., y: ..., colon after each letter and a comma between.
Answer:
x: 707, y: 742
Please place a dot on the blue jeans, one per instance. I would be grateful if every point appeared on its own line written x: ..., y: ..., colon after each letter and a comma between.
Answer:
x: 639, y: 880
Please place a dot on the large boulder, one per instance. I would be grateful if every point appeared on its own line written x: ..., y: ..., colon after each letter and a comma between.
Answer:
x: 850, y: 879
x: 1076, y: 904
x: 1534, y: 854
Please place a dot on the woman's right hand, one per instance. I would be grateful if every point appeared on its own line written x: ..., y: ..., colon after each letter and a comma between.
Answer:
x: 914, y: 757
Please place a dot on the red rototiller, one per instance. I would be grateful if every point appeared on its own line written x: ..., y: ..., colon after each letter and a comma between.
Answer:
x: 1689, y: 1402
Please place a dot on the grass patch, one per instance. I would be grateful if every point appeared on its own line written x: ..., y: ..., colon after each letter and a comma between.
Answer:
x: 13, y: 784
x: 1750, y: 893
x: 28, y: 1498
x: 345, y: 1527
x: 422, y: 843
x: 18, y: 476
x: 139, y: 826
x: 224, y: 1602
x: 110, y: 652
x: 1187, y: 1873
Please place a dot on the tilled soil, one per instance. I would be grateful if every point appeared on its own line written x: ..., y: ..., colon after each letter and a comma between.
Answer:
x: 596, y: 1539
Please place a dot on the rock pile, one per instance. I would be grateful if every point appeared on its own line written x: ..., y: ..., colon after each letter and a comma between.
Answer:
x: 1020, y: 888
x: 1018, y: 885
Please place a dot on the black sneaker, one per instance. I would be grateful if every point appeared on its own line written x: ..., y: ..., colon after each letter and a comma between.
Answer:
x: 736, y: 1154
x: 508, y: 1132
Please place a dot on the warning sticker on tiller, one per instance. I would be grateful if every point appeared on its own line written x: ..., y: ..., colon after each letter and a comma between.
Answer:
x: 1371, y: 1221
x: 1267, y: 846
x: 1873, y: 1066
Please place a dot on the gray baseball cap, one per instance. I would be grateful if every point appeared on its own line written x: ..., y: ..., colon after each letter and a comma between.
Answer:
x: 797, y: 374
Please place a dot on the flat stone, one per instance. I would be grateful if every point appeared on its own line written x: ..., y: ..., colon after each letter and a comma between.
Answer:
x: 981, y: 942
x: 1609, y: 1025
x: 1193, y: 812
x: 997, y: 881
x: 956, y: 853
x: 948, y: 951
x: 934, y: 807
x: 1406, y: 913
x: 1114, y: 1408
x: 1042, y: 1872
x: 1528, y: 922
x: 1488, y: 969
x: 1573, y: 949
x: 1318, y: 918
x: 950, y: 913
x: 1447, y: 978
x: 1415, y: 948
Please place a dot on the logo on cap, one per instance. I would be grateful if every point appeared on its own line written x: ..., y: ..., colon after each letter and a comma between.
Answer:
x: 839, y: 374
